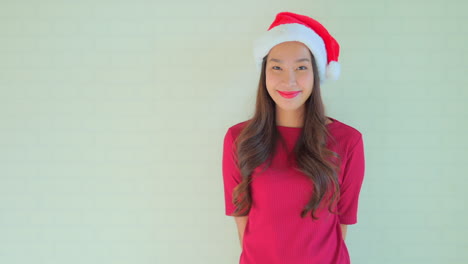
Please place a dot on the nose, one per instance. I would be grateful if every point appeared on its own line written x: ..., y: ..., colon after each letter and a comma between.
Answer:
x: 291, y: 77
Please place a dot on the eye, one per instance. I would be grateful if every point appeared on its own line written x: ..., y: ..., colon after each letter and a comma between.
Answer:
x: 275, y: 67
x: 304, y: 67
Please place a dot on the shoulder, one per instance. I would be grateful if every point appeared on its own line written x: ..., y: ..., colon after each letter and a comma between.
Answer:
x: 234, y: 130
x: 346, y: 136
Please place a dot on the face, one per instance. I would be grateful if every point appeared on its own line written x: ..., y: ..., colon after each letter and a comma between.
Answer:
x: 289, y: 69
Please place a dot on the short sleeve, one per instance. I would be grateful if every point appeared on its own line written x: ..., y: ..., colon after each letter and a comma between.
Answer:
x: 353, y: 176
x: 231, y: 174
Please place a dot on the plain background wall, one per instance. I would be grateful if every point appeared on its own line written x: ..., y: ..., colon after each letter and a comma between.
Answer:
x: 112, y: 115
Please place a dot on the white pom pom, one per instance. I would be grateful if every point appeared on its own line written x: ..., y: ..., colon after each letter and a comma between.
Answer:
x: 333, y: 70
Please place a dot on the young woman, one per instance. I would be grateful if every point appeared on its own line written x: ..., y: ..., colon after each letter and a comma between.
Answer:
x: 292, y: 175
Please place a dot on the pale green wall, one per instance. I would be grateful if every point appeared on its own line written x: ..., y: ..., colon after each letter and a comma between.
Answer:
x: 113, y: 114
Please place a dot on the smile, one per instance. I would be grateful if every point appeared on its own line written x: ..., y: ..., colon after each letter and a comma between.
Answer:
x: 289, y: 94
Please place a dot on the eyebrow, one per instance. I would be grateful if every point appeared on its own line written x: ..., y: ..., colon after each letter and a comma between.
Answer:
x: 280, y: 61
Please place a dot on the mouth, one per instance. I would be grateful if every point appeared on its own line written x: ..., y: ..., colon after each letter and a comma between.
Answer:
x: 290, y: 94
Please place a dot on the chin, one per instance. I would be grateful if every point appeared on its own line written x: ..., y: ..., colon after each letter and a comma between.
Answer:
x: 289, y: 107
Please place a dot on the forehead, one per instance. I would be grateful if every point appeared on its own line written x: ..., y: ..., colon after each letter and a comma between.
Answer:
x: 289, y: 51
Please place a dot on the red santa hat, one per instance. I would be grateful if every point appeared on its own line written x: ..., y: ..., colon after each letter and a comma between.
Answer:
x: 289, y: 26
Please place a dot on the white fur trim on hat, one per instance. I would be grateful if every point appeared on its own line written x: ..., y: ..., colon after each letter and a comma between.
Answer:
x: 293, y: 32
x: 333, y: 70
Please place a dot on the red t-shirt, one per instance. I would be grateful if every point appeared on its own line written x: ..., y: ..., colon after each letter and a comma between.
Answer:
x: 275, y: 232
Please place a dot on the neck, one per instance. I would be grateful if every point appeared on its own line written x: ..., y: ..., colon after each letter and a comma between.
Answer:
x: 292, y: 118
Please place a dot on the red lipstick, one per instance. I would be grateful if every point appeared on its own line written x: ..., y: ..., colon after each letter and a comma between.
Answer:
x: 290, y: 94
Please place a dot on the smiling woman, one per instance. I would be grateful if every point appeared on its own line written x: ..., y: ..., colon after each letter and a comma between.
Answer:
x: 289, y: 80
x: 292, y: 175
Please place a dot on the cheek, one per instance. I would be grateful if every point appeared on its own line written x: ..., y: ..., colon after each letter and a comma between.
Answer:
x: 271, y: 81
x: 307, y: 83
x: 309, y: 78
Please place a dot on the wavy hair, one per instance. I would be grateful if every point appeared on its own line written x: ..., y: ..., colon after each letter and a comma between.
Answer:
x: 258, y: 139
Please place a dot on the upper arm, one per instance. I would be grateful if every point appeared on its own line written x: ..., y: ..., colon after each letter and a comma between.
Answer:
x: 344, y: 229
x: 241, y: 222
x: 231, y: 173
x: 353, y: 176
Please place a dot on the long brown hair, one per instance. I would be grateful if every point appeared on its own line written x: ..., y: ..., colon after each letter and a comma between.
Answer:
x: 257, y: 142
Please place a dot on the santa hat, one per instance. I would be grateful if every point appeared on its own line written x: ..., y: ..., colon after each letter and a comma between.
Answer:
x: 289, y: 26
